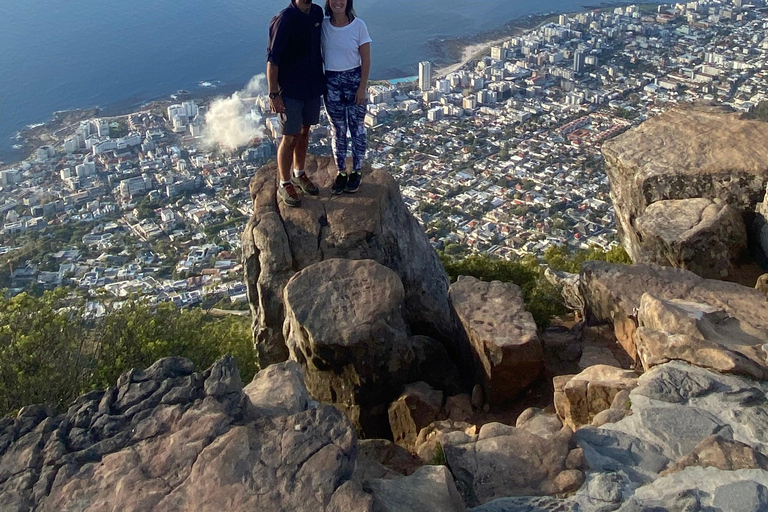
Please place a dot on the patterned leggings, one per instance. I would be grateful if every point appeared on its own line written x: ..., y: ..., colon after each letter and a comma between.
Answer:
x: 345, y: 115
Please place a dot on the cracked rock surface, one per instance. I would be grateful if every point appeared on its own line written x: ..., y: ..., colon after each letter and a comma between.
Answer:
x: 169, y: 438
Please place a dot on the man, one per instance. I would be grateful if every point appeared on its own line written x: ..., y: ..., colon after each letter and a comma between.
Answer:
x: 296, y: 84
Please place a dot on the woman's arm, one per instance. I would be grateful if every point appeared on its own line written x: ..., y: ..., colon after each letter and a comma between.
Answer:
x: 361, y: 98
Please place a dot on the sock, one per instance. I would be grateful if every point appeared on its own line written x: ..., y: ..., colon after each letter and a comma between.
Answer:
x: 343, y: 173
x: 297, y: 172
x: 284, y: 183
x: 357, y: 171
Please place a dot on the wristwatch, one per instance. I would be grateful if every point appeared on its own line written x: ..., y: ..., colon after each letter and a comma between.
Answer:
x: 273, y: 95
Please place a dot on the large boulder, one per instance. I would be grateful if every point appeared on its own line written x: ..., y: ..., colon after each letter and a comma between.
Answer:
x: 345, y: 327
x: 371, y: 224
x: 505, y: 344
x: 169, y: 438
x: 701, y: 235
x: 691, y: 151
x: 612, y: 294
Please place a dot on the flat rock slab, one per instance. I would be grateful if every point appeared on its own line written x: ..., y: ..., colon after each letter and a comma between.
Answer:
x: 373, y: 224
x: 699, y: 334
x: 701, y: 235
x: 502, y: 334
x: 690, y: 151
x: 613, y: 293
x: 676, y: 406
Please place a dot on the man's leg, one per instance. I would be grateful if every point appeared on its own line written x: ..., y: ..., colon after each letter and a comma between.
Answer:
x: 300, y: 151
x: 310, y: 114
x: 285, y: 154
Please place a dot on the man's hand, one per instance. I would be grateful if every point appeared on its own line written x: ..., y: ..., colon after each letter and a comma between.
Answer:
x: 277, y: 105
x: 361, y: 97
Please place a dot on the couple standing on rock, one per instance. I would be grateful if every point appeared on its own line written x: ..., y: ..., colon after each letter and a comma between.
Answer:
x: 301, y: 42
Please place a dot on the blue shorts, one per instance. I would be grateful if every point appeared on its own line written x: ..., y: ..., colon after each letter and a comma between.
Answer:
x: 299, y: 113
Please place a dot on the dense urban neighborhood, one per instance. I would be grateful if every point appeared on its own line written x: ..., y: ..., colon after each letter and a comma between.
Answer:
x: 501, y: 156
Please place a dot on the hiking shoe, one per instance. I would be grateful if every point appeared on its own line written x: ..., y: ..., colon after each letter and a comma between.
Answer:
x: 353, y: 183
x: 340, y: 184
x: 305, y: 184
x: 289, y: 195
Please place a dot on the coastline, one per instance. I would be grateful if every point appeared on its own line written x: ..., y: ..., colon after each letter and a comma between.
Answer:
x: 462, y: 50
x: 448, y: 54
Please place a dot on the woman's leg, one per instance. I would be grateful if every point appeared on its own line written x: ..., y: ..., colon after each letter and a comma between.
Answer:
x: 337, y: 115
x: 356, y: 116
x: 356, y: 119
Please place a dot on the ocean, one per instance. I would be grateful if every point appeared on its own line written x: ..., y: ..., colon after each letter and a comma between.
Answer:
x: 58, y: 55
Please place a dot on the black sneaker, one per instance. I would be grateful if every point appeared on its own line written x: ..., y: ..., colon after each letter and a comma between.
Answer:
x: 353, y: 183
x: 340, y: 184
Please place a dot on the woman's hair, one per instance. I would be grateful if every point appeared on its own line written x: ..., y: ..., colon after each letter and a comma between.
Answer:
x: 350, y: 10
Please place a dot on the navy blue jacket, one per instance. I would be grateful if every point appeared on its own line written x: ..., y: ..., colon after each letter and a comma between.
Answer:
x: 294, y: 46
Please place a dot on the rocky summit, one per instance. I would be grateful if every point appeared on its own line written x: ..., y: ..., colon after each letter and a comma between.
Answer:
x: 390, y: 391
x: 373, y: 223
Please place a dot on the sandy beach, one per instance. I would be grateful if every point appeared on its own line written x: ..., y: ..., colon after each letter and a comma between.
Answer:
x: 468, y: 54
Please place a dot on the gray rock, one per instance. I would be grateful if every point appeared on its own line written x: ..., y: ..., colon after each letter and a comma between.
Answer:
x: 701, y: 235
x: 527, y: 504
x: 502, y: 334
x: 224, y: 378
x: 738, y: 404
x: 615, y: 451
x: 278, y: 389
x: 429, y: 489
x: 697, y: 489
x: 680, y: 429
x: 747, y: 496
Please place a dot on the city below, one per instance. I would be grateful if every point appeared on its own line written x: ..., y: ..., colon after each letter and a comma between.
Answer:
x: 501, y: 156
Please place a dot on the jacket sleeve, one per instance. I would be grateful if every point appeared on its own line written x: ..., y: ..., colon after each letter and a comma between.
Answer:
x: 278, y: 37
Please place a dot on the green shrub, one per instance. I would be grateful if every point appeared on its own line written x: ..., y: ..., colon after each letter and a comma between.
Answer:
x: 542, y: 299
x: 50, y: 355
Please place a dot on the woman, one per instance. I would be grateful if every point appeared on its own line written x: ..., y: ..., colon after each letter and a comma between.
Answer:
x: 347, y: 57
